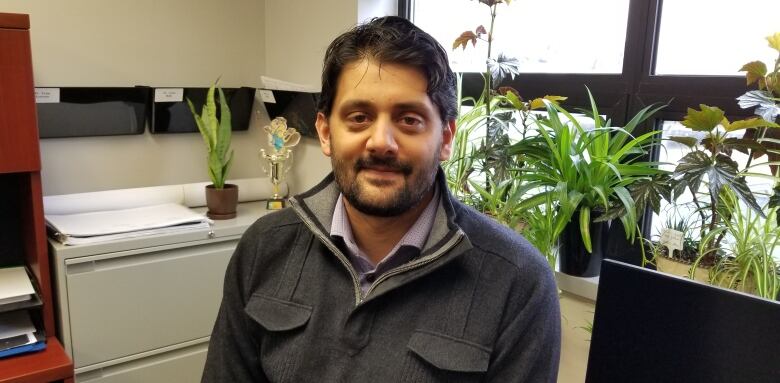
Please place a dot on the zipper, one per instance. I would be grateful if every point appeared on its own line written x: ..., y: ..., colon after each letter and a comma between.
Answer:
x: 420, y: 262
x: 343, y: 259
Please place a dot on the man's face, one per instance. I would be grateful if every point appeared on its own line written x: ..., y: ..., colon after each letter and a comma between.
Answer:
x: 385, y: 137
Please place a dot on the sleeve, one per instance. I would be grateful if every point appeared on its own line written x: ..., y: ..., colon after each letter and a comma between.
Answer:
x: 233, y: 350
x: 528, y: 347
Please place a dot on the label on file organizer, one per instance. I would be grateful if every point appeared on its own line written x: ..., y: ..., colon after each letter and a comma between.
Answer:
x: 267, y: 96
x: 47, y: 95
x: 672, y: 239
x: 169, y: 95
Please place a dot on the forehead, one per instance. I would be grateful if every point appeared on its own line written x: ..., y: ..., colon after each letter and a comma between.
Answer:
x: 375, y: 82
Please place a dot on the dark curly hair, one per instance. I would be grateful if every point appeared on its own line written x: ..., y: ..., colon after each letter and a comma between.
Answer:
x: 395, y: 40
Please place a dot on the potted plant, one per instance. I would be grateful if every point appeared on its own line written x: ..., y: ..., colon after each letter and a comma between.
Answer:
x: 709, y: 163
x: 593, y: 176
x: 747, y: 262
x: 480, y: 172
x: 679, y: 263
x: 221, y: 198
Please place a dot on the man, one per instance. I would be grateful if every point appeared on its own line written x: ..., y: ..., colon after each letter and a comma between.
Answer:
x: 377, y: 274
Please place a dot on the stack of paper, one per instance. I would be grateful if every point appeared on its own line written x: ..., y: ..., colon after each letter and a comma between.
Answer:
x: 15, y: 286
x: 18, y: 335
x: 82, y: 228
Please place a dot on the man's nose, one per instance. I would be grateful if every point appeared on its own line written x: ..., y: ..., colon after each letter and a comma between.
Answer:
x: 382, y: 141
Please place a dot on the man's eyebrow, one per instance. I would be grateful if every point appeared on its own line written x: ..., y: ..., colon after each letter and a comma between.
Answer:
x: 412, y: 105
x: 356, y: 104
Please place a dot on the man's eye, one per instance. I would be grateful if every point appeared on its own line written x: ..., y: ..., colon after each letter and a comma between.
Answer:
x: 410, y: 121
x: 358, y: 118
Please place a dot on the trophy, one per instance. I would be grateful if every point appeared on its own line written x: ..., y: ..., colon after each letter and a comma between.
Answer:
x: 281, y: 139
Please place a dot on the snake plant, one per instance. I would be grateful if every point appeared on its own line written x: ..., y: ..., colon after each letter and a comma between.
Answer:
x: 216, y: 135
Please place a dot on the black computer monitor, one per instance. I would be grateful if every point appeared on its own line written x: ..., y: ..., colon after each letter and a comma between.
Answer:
x: 653, y: 327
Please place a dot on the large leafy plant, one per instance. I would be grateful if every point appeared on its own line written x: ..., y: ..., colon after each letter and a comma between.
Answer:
x: 216, y: 132
x: 481, y: 172
x: 709, y: 163
x: 598, y: 173
x: 766, y: 100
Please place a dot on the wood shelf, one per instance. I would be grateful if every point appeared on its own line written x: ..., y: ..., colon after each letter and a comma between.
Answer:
x: 23, y: 230
x: 48, y: 365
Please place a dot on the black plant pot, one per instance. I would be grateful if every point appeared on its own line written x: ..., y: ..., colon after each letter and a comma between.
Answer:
x: 573, y: 258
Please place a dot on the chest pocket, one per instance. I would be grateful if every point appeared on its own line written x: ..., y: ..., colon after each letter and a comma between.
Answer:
x: 434, y: 357
x: 277, y: 315
x: 282, y: 344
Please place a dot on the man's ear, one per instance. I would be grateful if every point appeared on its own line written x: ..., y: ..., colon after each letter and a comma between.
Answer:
x: 323, y: 131
x: 447, y: 137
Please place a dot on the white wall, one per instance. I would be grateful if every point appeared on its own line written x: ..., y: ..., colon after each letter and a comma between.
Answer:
x: 142, y: 42
x: 297, y: 34
x: 178, y: 43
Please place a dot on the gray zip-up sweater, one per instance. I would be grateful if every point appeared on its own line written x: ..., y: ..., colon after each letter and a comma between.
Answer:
x: 479, y: 304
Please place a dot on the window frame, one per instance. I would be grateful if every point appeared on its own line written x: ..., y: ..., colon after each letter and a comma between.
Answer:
x: 622, y: 95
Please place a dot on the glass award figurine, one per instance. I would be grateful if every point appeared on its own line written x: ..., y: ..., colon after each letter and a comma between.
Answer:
x: 281, y: 139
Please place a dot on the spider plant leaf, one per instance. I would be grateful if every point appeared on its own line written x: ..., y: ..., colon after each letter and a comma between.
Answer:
x: 585, y: 228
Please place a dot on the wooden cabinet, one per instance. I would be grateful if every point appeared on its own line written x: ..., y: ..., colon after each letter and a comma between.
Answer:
x: 18, y: 130
x: 22, y: 227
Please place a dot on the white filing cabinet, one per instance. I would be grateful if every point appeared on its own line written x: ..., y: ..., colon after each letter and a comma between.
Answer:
x: 142, y: 309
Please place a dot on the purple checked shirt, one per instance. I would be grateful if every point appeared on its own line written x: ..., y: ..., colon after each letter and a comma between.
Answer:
x: 407, y: 248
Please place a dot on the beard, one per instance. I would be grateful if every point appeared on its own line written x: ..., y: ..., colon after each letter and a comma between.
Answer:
x: 393, y: 201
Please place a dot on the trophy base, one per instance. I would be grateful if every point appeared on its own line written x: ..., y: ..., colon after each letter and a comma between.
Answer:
x: 275, y: 204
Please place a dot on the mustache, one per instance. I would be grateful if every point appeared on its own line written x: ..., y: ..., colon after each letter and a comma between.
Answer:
x: 390, y: 163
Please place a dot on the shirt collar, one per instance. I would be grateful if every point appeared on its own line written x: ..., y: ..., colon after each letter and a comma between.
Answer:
x: 415, y: 237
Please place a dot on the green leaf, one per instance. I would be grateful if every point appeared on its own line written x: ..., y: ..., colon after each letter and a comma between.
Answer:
x: 201, y: 126
x: 720, y: 171
x: 774, y: 41
x: 514, y: 99
x: 538, y: 103
x: 755, y: 122
x: 754, y: 71
x: 705, y: 119
x: 210, y: 117
x: 645, y: 192
x: 687, y: 141
x: 225, y: 127
x: 744, y: 145
x: 585, y: 228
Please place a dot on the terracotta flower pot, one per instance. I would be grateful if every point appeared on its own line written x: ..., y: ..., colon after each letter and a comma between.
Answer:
x: 221, y: 203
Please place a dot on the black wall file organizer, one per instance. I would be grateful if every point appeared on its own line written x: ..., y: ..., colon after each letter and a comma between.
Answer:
x: 175, y: 117
x: 98, y: 111
x: 299, y: 108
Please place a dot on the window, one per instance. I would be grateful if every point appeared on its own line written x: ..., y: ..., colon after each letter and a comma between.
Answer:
x: 630, y: 53
x: 723, y: 35
x: 566, y: 43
